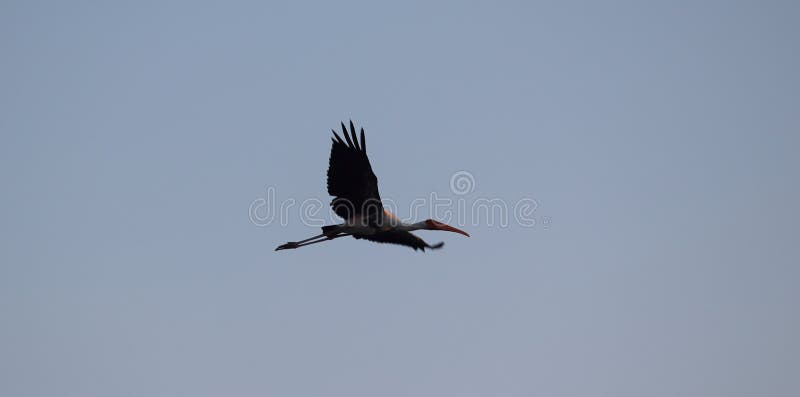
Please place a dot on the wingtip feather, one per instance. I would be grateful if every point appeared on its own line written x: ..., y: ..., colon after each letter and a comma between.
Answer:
x: 346, y: 135
x: 353, y: 133
x: 338, y: 138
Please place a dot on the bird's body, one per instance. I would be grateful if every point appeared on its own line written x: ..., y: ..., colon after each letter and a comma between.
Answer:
x: 357, y: 200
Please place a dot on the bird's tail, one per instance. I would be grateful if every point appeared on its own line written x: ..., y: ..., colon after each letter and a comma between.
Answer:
x: 329, y: 229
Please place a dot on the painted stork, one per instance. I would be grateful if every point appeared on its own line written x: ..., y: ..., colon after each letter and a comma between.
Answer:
x: 357, y: 201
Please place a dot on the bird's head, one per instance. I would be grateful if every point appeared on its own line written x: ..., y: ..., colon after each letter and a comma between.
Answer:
x: 431, y: 224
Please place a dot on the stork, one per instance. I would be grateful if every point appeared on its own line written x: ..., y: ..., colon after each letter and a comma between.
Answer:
x: 357, y: 201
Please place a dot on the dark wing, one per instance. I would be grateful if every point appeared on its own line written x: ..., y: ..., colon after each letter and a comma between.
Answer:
x: 350, y: 177
x: 400, y: 238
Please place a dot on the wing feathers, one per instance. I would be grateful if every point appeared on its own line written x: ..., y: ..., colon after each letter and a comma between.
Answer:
x: 350, y: 176
x: 353, y: 133
x: 400, y: 238
x: 346, y: 135
x: 338, y: 138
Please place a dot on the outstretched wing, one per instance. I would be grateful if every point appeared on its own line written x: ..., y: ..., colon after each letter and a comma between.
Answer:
x: 400, y: 238
x: 350, y: 177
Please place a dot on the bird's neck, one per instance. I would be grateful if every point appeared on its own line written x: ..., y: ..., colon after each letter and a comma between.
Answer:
x: 413, y: 226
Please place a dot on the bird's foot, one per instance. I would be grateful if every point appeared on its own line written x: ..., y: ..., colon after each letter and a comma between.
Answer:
x: 287, y: 246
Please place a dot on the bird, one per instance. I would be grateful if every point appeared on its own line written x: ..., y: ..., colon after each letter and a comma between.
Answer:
x: 357, y: 200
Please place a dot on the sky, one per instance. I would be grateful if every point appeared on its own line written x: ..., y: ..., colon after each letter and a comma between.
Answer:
x: 656, y: 140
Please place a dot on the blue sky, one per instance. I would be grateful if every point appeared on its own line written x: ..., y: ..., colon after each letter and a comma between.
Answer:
x: 657, y: 138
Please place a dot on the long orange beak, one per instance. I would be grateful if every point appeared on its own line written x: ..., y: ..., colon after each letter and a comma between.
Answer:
x: 448, y: 228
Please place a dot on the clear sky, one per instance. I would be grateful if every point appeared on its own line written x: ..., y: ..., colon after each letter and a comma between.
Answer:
x: 658, y: 139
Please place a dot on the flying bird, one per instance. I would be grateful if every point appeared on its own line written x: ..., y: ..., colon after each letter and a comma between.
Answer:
x: 357, y: 201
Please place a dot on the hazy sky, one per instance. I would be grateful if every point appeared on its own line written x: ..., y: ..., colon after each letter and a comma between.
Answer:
x: 659, y: 140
